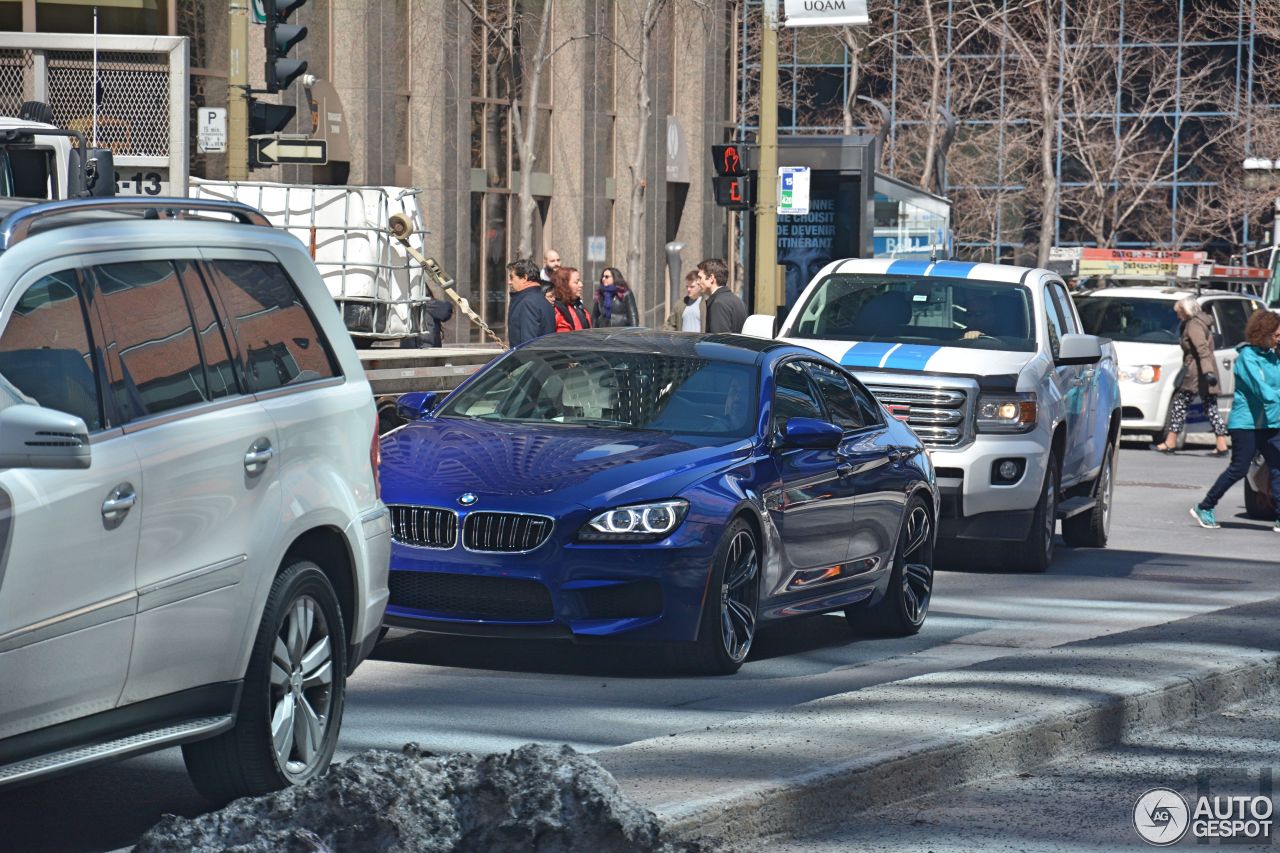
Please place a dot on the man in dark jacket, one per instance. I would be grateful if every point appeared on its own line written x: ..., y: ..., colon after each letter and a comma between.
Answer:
x: 435, y: 313
x: 529, y: 314
x: 725, y: 311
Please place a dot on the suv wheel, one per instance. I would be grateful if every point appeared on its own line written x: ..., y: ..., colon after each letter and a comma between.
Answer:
x: 291, y: 707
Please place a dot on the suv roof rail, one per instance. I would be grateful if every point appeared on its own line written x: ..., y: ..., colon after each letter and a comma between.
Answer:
x: 17, y: 225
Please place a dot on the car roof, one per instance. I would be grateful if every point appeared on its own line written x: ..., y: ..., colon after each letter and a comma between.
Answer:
x: 742, y: 349
x: 936, y: 269
x: 1166, y: 293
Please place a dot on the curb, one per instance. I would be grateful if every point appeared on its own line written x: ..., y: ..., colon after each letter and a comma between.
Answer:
x: 815, y: 763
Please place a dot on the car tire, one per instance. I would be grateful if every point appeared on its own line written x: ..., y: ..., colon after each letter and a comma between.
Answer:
x: 1035, y: 553
x: 1257, y: 504
x: 1091, y: 529
x: 902, y: 610
x: 728, y: 625
x: 297, y: 673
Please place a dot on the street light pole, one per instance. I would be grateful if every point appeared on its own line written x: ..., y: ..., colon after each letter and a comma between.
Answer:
x: 767, y: 296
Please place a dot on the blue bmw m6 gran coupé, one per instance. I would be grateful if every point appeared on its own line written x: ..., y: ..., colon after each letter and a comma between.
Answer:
x: 657, y: 487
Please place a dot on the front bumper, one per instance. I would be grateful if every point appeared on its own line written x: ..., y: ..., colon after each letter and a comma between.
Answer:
x: 371, y: 538
x: 647, y: 592
x: 964, y: 476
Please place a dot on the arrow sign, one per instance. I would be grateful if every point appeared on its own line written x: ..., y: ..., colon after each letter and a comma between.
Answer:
x: 273, y: 151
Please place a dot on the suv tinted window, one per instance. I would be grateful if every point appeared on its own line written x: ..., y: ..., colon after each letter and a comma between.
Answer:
x: 1232, y: 316
x: 279, y: 341
x: 220, y: 374
x: 45, y: 349
x: 841, y: 405
x: 152, y: 337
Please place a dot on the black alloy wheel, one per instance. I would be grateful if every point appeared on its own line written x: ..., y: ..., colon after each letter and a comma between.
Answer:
x: 905, y: 605
x: 728, y: 626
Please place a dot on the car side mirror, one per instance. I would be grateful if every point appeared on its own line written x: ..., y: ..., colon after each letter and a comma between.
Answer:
x: 811, y: 433
x: 36, y: 437
x: 416, y: 405
x: 1079, y: 349
x: 759, y: 326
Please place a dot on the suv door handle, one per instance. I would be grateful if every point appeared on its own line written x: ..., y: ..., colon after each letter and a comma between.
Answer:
x: 119, y: 502
x: 260, y: 453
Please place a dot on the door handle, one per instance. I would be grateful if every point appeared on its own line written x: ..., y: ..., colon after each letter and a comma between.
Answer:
x: 259, y: 455
x: 844, y: 469
x: 119, y: 502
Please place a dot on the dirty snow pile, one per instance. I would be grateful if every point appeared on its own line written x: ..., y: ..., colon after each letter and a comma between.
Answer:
x: 535, y: 798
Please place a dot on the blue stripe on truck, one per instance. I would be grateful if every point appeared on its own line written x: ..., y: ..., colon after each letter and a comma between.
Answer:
x: 911, y: 357
x: 865, y: 354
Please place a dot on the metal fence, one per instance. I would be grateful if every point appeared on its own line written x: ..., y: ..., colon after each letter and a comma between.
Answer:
x: 142, y: 107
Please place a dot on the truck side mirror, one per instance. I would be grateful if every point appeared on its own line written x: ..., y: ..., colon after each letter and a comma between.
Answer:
x: 1079, y: 349
x: 102, y: 172
x: 759, y: 326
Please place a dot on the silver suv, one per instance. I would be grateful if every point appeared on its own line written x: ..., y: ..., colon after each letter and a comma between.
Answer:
x: 192, y: 546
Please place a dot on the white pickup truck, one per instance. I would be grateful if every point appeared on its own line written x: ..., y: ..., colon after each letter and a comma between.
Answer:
x: 988, y: 364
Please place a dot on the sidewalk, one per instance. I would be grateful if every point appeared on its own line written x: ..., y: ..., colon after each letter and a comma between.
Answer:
x: 782, y: 772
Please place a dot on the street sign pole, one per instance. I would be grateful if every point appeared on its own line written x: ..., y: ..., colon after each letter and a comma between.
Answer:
x: 768, y: 297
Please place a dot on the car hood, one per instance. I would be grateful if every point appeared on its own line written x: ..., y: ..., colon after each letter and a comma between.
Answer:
x: 505, y: 466
x: 922, y: 358
x: 1139, y: 352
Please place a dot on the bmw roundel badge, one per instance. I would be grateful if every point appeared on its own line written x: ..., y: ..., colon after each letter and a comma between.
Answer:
x: 467, y: 499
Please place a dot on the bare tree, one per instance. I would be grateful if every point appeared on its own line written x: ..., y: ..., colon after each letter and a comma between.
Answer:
x: 518, y: 74
x: 648, y: 15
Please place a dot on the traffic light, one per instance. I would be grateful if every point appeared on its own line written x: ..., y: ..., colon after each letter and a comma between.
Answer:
x: 730, y: 183
x: 280, y: 37
x: 266, y: 118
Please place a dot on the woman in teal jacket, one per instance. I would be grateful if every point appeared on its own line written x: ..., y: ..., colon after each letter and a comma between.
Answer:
x: 1254, y: 423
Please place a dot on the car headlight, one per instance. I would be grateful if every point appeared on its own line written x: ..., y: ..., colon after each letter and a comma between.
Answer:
x: 1141, y: 374
x: 1007, y: 412
x: 635, y: 522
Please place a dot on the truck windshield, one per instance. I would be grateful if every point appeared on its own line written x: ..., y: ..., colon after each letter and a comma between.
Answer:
x: 1151, y: 321
x: 917, y: 309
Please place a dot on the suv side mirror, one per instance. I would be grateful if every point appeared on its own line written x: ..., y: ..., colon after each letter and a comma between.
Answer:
x: 36, y: 437
x: 1079, y: 349
x: 812, y: 433
x: 416, y: 404
x: 759, y: 326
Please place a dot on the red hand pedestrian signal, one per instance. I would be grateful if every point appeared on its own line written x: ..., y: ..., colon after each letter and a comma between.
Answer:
x: 727, y: 160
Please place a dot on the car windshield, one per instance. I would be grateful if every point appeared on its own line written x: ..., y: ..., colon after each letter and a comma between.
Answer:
x: 908, y: 309
x: 622, y: 390
x: 1119, y: 318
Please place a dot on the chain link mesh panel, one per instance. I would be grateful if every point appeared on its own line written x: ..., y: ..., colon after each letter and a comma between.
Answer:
x: 15, y: 65
x: 133, y: 99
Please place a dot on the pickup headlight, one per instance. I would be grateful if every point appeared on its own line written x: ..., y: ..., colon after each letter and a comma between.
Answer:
x: 1007, y: 412
x: 1141, y: 374
x: 635, y: 522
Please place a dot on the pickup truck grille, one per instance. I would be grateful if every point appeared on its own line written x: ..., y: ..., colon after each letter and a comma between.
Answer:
x: 938, y: 415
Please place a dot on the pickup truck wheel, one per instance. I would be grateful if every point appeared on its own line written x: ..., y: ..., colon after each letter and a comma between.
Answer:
x: 1035, y: 553
x: 905, y: 605
x: 291, y: 707
x: 1091, y: 529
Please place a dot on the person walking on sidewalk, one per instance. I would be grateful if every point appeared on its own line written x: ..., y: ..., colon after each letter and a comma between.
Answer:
x: 1199, y: 376
x: 725, y: 311
x: 615, y: 304
x: 690, y: 313
x: 571, y: 314
x: 1254, y: 423
x: 529, y: 314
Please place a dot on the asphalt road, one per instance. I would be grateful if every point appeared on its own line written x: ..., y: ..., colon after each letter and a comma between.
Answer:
x: 483, y: 696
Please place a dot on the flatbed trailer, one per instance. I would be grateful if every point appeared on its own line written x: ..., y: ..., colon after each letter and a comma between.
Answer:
x: 393, y: 371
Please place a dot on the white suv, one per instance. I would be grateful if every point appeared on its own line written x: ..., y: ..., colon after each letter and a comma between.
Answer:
x: 1142, y: 323
x: 192, y: 546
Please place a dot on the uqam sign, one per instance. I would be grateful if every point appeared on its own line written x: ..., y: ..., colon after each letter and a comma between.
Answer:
x: 826, y: 13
